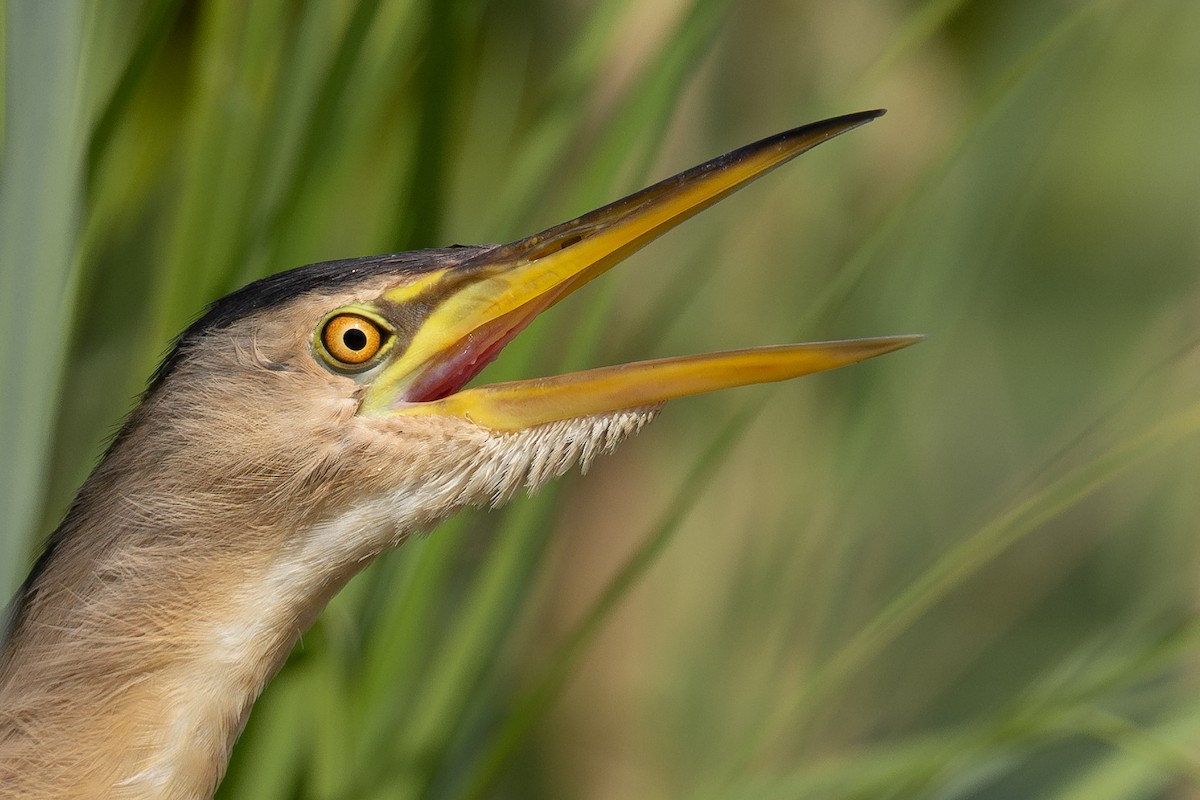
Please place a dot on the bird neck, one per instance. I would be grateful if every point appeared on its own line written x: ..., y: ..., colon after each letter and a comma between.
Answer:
x: 198, y: 552
x: 144, y: 637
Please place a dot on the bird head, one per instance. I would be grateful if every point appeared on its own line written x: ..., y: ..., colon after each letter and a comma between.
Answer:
x: 340, y: 386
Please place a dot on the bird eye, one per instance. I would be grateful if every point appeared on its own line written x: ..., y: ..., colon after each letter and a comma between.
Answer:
x: 351, y: 340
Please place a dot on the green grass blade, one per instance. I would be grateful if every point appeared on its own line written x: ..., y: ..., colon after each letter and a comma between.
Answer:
x: 40, y: 199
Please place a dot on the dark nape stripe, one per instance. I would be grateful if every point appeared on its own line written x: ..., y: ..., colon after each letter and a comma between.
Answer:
x: 283, y: 286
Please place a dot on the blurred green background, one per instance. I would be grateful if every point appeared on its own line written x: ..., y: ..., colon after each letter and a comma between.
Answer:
x: 967, y: 570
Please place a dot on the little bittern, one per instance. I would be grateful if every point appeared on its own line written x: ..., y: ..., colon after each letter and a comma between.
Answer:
x: 301, y: 426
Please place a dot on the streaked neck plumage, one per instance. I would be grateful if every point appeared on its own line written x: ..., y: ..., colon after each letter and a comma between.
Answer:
x: 181, y: 579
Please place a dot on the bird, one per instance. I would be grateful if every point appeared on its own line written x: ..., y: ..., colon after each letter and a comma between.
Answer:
x: 298, y: 428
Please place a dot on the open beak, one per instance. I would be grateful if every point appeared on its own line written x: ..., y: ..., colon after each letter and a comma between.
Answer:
x: 477, y: 307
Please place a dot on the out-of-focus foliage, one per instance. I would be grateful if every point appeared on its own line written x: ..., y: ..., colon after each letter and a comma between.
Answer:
x: 968, y: 570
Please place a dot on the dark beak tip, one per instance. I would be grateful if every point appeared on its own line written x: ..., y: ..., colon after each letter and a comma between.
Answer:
x: 848, y: 122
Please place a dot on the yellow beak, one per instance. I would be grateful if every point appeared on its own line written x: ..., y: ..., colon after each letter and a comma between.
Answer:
x: 480, y: 305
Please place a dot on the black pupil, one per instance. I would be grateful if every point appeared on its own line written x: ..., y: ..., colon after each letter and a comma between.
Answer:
x: 354, y: 339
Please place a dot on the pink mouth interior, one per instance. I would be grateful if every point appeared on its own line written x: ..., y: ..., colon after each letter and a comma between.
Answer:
x: 453, y: 369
